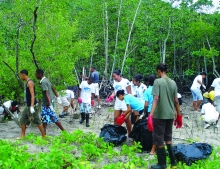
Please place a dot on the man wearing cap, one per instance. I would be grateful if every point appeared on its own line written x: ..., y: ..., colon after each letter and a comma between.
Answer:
x: 216, y: 87
x: 195, y: 89
x: 95, y: 76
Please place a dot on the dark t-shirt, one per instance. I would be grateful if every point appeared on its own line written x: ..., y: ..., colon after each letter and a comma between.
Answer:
x: 47, y: 86
x: 166, y: 89
x: 95, y: 76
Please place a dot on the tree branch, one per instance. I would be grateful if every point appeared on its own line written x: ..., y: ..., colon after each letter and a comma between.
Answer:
x: 34, y: 38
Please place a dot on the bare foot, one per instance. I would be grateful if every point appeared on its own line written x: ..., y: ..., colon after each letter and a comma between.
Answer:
x: 20, y: 138
x: 152, y: 153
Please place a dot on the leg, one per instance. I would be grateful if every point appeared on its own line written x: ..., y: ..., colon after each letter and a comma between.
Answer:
x: 195, y: 105
x: 194, y: 99
x: 45, y: 127
x: 24, y: 121
x: 152, y: 152
x: 59, y: 125
x: 198, y: 103
x: 23, y: 129
x: 98, y: 98
x: 41, y: 128
x: 87, y: 120
x: 128, y: 125
x: 117, y: 113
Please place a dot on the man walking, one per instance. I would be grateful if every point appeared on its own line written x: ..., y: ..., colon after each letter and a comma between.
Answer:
x: 95, y: 77
x: 162, y: 112
x: 48, y: 114
x: 196, y: 92
x: 30, y: 112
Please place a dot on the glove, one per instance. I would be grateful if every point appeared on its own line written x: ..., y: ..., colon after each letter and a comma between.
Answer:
x: 150, y: 123
x: 32, y: 110
x: 178, y: 122
x: 79, y: 100
x: 204, y: 86
x: 121, y: 119
x: 92, y: 102
x: 109, y: 99
x: 59, y: 100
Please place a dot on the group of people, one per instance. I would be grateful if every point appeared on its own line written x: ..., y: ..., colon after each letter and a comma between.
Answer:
x: 210, y: 111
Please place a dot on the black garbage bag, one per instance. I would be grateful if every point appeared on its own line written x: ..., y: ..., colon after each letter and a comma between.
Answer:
x: 113, y: 134
x: 191, y: 153
x: 140, y: 133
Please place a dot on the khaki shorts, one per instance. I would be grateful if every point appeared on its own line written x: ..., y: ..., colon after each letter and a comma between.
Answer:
x: 217, y: 103
x: 96, y: 86
x: 27, y: 117
x: 65, y: 102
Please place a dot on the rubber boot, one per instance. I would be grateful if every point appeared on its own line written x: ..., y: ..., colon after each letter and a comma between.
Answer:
x: 87, y: 120
x: 171, y: 156
x: 161, y: 157
x: 82, y: 118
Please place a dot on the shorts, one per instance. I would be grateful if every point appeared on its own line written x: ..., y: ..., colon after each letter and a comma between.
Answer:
x: 48, y: 116
x: 120, y: 105
x: 197, y: 95
x: 65, y: 102
x: 27, y: 117
x: 162, y: 131
x: 217, y: 103
x: 85, y: 108
x: 96, y: 86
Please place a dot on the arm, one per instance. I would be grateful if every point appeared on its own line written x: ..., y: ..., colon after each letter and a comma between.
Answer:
x: 83, y: 76
x: 177, y: 106
x: 48, y: 97
x: 72, y: 102
x: 93, y: 96
x: 113, y: 93
x: 199, y: 82
x: 155, y: 102
x: 128, y: 88
x: 54, y: 91
x: 146, y: 106
x: 129, y: 110
x: 79, y: 92
x: 31, y: 88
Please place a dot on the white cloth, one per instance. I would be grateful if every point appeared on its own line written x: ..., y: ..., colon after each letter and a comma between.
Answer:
x: 140, y: 91
x: 7, y: 104
x: 216, y: 85
x: 196, y: 84
x: 133, y: 88
x: 96, y: 88
x: 210, y: 113
x: 120, y: 105
x: 122, y: 85
x: 179, y: 96
x: 86, y: 91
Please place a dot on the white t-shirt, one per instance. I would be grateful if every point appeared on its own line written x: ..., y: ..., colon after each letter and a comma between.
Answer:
x: 195, y: 84
x: 216, y: 85
x: 211, y: 115
x: 133, y: 88
x: 140, y: 91
x: 68, y: 94
x: 7, y: 104
x: 86, y: 91
x: 122, y: 85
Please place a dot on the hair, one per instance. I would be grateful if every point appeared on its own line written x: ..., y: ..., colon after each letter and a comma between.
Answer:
x: 90, y: 78
x: 14, y: 103
x: 163, y: 67
x: 146, y: 79
x: 24, y: 71
x: 120, y: 92
x: 152, y: 77
x: 138, y: 78
x: 117, y: 72
x: 40, y: 72
x: 203, y: 73
x: 93, y: 67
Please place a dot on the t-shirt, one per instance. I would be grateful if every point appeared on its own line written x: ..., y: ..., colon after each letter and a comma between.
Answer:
x: 148, y: 97
x: 133, y: 88
x: 140, y: 91
x: 95, y: 76
x: 166, y: 89
x: 46, y: 86
x: 195, y: 84
x: 7, y: 104
x: 86, y: 91
x: 134, y: 102
x: 68, y: 94
x: 122, y: 85
x: 216, y: 85
x: 210, y: 113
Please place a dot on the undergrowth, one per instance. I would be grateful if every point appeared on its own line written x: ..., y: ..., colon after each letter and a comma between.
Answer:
x: 81, y: 150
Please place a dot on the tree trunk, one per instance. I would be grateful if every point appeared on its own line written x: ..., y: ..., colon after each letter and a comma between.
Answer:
x: 165, y: 43
x: 129, y: 36
x: 174, y: 55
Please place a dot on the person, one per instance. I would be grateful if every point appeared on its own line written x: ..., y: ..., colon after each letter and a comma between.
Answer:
x: 209, y: 113
x: 216, y: 87
x: 85, y: 98
x: 140, y: 87
x: 162, y: 113
x: 66, y: 100
x: 95, y: 76
x: 135, y: 108
x: 133, y: 87
x: 148, y: 98
x: 30, y: 110
x: 48, y: 114
x: 195, y: 89
x: 12, y: 106
x: 121, y: 83
x: 146, y: 81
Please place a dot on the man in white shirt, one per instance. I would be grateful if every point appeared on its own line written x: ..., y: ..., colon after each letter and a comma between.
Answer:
x: 196, y: 92
x: 209, y: 114
x: 66, y: 99
x: 216, y: 87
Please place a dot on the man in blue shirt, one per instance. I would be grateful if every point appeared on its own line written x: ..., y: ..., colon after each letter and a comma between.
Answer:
x: 95, y: 76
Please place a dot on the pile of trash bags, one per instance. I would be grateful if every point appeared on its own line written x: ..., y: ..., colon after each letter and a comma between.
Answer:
x: 191, y: 153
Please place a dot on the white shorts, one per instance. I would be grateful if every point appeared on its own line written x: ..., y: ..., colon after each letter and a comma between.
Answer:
x: 96, y: 86
x: 120, y: 105
x: 65, y: 102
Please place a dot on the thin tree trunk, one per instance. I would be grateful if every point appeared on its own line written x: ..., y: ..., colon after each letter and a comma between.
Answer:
x: 106, y: 42
x: 205, y: 64
x: 165, y: 43
x: 129, y: 36
x: 174, y: 55
x: 116, y: 40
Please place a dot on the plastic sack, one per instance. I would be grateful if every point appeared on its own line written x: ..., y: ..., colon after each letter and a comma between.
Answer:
x: 140, y: 133
x: 121, y: 119
x: 113, y: 134
x: 92, y: 102
x: 150, y: 123
x: 79, y: 100
x: 191, y: 153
